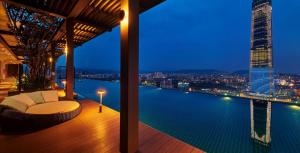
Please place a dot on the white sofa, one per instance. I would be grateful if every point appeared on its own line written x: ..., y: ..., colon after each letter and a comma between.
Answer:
x: 35, y: 109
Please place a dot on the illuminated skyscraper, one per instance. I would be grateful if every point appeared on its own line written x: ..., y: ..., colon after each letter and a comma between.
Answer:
x: 261, y: 70
x: 261, y: 63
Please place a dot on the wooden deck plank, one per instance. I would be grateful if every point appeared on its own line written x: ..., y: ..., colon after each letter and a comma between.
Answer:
x: 91, y: 132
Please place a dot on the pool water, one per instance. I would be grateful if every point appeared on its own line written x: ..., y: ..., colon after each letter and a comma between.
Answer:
x: 214, y: 124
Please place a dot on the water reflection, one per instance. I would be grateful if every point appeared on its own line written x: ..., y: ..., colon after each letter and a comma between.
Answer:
x: 295, y: 107
x: 260, y: 112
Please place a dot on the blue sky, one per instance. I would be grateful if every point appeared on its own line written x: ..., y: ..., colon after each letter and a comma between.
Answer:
x: 199, y: 34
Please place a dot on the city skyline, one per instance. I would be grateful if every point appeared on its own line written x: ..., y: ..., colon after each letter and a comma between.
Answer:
x: 159, y: 52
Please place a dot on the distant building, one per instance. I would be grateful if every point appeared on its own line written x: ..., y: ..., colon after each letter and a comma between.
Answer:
x: 183, y: 85
x: 61, y: 72
x: 158, y: 75
x: 166, y: 83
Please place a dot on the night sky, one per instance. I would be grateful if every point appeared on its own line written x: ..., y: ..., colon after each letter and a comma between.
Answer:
x: 199, y: 34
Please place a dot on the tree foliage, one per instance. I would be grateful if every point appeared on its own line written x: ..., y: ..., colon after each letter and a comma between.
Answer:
x: 35, y: 32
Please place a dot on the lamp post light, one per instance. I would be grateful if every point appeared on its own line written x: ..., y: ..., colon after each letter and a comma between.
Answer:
x: 100, y: 93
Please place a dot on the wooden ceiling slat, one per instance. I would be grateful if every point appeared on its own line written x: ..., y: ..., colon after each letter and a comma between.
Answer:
x: 92, y: 8
x: 79, y: 26
x: 6, y: 32
x: 77, y: 9
x: 104, y: 5
x: 83, y: 36
x: 50, y: 3
x: 89, y: 28
x: 91, y: 2
x: 64, y: 6
x: 99, y: 3
x: 98, y: 15
x: 115, y: 8
x: 95, y: 25
x: 57, y: 6
x: 91, y: 17
x: 5, y: 44
x: 88, y: 34
x: 91, y: 32
x: 84, y: 27
x: 112, y: 4
x: 79, y: 6
x: 79, y: 39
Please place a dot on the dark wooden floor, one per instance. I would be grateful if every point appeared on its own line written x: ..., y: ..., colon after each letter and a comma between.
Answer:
x: 90, y: 132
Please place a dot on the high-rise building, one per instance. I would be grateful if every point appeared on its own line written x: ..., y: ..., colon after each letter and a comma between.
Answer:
x: 261, y: 70
x: 261, y: 63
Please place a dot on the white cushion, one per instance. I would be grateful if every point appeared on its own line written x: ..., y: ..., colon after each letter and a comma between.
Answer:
x: 50, y: 96
x: 36, y: 97
x: 14, y: 104
x: 53, y: 107
x: 23, y: 98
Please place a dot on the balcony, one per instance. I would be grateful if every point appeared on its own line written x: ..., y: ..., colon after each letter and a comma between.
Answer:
x: 90, y: 132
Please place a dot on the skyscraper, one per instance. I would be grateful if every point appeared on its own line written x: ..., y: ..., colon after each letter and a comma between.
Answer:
x: 261, y: 70
x: 261, y: 59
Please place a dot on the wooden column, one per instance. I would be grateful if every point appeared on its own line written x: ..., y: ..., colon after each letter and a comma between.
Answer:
x: 20, y: 73
x: 52, y: 67
x: 52, y: 73
x: 129, y: 77
x: 70, y: 58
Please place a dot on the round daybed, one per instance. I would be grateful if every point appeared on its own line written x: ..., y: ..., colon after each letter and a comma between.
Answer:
x: 35, y: 110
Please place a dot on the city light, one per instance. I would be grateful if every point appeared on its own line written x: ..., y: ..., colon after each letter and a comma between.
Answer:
x: 227, y: 98
x: 295, y: 107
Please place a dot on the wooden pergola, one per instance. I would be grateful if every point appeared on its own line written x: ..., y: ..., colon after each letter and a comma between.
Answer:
x: 82, y: 20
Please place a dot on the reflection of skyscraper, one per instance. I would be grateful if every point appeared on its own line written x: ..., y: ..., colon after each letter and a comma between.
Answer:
x: 261, y: 70
x: 261, y: 121
x: 261, y: 63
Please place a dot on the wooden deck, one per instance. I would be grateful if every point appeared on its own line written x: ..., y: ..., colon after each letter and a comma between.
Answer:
x: 91, y: 132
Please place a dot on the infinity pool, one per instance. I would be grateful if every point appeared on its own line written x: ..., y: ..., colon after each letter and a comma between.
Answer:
x: 212, y: 123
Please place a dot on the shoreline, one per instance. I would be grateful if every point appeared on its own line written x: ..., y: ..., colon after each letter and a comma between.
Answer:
x: 195, y: 91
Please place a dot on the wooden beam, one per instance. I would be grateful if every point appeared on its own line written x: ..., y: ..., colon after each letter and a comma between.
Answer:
x: 70, y: 59
x: 20, y: 73
x: 38, y: 10
x: 3, y: 32
x: 77, y: 9
x: 87, y: 31
x: 98, y: 26
x: 83, y: 36
x: 5, y: 44
x: 129, y: 77
x: 113, y: 16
